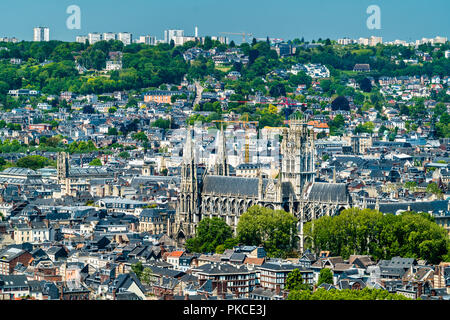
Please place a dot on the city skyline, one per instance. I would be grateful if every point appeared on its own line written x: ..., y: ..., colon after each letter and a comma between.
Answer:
x: 298, y: 21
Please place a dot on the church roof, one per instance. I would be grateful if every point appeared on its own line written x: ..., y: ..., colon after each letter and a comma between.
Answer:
x: 417, y: 206
x: 87, y: 171
x: 325, y: 192
x: 232, y: 185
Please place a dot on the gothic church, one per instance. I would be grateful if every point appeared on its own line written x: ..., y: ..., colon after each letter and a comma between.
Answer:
x: 217, y: 194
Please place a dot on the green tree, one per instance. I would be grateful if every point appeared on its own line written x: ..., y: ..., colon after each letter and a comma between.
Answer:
x: 411, y: 185
x: 137, y: 268
x: 161, y: 123
x: 383, y: 236
x: 294, y: 281
x: 367, y: 127
x: 337, y: 125
x: 211, y: 232
x: 124, y: 155
x: 95, y: 162
x: 147, y: 276
x: 433, y: 188
x: 33, y: 162
x: 112, y: 110
x: 112, y: 131
x: 220, y: 249
x: 274, y: 229
x: 325, y: 276
x: 140, y: 136
x: 345, y: 294
x: 365, y: 85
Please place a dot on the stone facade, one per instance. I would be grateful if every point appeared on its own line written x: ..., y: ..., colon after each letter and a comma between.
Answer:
x: 216, y: 194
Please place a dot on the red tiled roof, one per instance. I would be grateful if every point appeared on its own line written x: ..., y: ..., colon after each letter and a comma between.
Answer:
x: 257, y: 261
x: 175, y: 254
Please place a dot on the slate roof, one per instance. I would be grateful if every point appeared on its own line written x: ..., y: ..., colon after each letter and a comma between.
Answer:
x: 206, y: 287
x: 425, y: 206
x: 238, y: 257
x: 127, y: 296
x: 232, y: 185
x: 165, y: 272
x: 325, y: 192
x: 13, y: 281
x: 10, y: 254
x: 262, y: 292
x: 87, y: 172
x: 223, y: 268
x: 279, y: 266
x: 124, y: 281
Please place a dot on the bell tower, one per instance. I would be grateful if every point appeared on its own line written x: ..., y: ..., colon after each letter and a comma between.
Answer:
x: 297, y: 151
x: 63, y: 166
x: 187, y: 214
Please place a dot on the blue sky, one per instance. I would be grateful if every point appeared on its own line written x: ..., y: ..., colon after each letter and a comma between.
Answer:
x: 288, y: 19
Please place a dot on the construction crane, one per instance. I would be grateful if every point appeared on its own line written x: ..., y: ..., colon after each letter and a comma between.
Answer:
x: 246, y: 126
x: 243, y: 34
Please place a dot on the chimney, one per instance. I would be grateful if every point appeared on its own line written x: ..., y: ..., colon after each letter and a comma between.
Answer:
x: 61, y: 293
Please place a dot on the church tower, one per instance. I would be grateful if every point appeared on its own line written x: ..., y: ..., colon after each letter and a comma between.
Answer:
x: 188, y: 200
x: 221, y: 164
x: 297, y: 151
x: 63, y: 166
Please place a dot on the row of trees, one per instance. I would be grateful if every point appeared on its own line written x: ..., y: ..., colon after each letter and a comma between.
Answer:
x: 382, y: 236
x: 345, y: 294
x: 354, y: 231
x: 274, y: 229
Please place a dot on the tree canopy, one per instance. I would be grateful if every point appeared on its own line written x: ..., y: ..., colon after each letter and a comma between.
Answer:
x: 210, y: 233
x: 345, y: 294
x: 34, y: 162
x: 325, y: 276
x: 274, y: 229
x: 382, y: 236
x: 294, y: 281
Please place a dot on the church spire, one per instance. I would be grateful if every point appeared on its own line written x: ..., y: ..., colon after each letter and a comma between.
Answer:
x: 221, y: 165
x: 188, y: 152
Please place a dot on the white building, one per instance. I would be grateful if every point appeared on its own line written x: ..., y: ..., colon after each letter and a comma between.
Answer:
x: 113, y: 65
x: 109, y: 36
x: 149, y: 40
x: 125, y: 37
x: 41, y: 34
x: 372, y: 41
x: 82, y: 39
x: 94, y: 37
x: 179, y: 41
x: 437, y: 40
x: 345, y: 41
x: 171, y: 34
